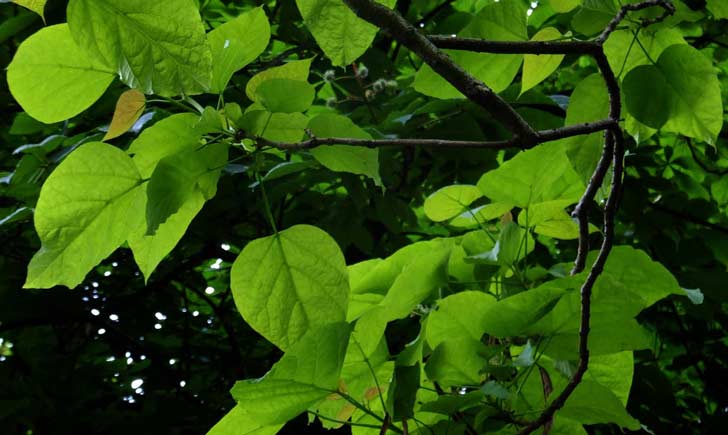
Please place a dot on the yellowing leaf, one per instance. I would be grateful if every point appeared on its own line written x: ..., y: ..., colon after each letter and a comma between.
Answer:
x: 129, y: 108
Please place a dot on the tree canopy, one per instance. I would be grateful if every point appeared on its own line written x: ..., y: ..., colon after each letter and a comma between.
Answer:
x: 363, y: 216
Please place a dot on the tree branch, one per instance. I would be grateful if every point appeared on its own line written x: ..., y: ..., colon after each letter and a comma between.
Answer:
x: 541, y: 137
x: 474, y: 89
x: 513, y: 47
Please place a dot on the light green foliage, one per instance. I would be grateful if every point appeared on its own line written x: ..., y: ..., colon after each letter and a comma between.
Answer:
x: 165, y: 138
x: 536, y: 68
x: 239, y: 422
x: 458, y: 315
x: 563, y: 6
x: 589, y: 102
x: 87, y: 208
x: 501, y: 21
x: 53, y: 79
x: 343, y: 158
x: 473, y: 217
x: 522, y: 182
x: 294, y: 70
x: 283, y: 127
x: 37, y: 6
x: 342, y: 35
x: 645, y: 46
x: 150, y: 250
x: 680, y: 93
x: 718, y: 8
x: 630, y: 283
x: 592, y: 403
x: 456, y: 361
x: 169, y: 140
x: 450, y: 201
x: 151, y: 49
x: 306, y: 374
x: 284, y: 95
x: 550, y: 219
x: 593, y: 16
x: 235, y: 44
x: 290, y: 282
x: 177, y: 179
x: 512, y: 315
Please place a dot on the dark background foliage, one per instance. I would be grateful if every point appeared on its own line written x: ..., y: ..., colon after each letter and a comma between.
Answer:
x: 59, y: 374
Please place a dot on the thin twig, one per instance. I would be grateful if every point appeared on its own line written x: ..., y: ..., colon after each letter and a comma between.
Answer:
x: 541, y: 137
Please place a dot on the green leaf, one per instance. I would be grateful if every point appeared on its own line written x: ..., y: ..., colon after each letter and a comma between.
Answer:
x: 632, y: 276
x: 622, y: 59
x: 458, y: 315
x: 275, y: 401
x: 342, y: 35
x: 589, y: 102
x: 592, y: 403
x: 37, y: 6
x: 614, y: 371
x: 307, y: 373
x: 512, y: 315
x: 450, y: 201
x: 176, y: 178
x: 288, y: 283
x: 718, y: 8
x: 484, y: 213
x: 537, y: 175
x: 71, y: 81
x: 235, y: 44
x: 169, y: 136
x: 285, y: 95
x: 344, y: 158
x: 282, y: 127
x: 152, y: 49
x: 550, y: 219
x: 536, y: 68
x: 294, y: 70
x: 87, y: 208
x: 593, y: 16
x: 457, y: 361
x: 680, y: 93
x: 500, y: 21
x: 239, y: 422
x: 563, y: 6
x: 402, y: 393
x: 150, y: 250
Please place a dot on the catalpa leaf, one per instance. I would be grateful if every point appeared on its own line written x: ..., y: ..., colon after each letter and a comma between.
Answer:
x: 344, y: 158
x: 500, y: 21
x: 294, y: 70
x: 338, y: 31
x: 53, y: 79
x: 680, y: 93
x: 239, y: 422
x: 87, y: 208
x: 152, y: 49
x: 235, y: 44
x: 290, y: 282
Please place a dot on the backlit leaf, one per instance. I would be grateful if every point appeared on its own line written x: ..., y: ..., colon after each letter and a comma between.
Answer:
x: 53, y: 79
